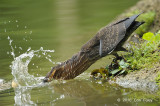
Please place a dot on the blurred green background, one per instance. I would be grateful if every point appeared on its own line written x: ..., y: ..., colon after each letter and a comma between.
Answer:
x: 60, y: 25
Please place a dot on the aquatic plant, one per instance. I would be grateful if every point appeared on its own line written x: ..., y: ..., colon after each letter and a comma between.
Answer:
x: 102, y: 71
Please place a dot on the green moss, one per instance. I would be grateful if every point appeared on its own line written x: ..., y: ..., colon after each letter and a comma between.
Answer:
x: 102, y: 71
x: 148, y: 18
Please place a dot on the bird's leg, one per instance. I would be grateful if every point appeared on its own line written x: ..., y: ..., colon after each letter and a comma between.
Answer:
x: 119, y: 48
x: 114, y: 63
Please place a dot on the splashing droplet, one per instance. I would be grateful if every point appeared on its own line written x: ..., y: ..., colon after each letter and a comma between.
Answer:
x: 20, y: 48
x: 29, y: 49
x: 30, y: 32
x: 24, y: 81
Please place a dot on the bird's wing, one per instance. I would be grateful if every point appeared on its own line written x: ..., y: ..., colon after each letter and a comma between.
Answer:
x: 110, y: 36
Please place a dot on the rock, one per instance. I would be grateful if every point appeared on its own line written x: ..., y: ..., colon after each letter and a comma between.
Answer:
x: 143, y: 79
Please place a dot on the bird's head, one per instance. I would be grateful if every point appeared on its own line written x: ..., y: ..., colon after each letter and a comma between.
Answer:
x: 131, y: 25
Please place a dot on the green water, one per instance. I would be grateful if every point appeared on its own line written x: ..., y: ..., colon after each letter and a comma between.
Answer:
x: 63, y: 26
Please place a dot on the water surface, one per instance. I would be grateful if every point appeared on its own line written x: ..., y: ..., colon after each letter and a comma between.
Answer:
x: 63, y: 26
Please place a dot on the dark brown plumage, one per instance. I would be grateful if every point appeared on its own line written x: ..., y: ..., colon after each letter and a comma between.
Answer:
x: 108, y: 40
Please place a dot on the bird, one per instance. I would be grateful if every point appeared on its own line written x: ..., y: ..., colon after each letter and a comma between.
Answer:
x: 107, y: 41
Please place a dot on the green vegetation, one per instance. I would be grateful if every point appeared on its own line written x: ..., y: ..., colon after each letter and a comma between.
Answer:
x: 158, y: 79
x: 148, y: 18
x: 102, y: 71
x: 146, y: 53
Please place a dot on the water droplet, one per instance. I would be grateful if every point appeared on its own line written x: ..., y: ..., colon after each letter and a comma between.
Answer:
x: 25, y: 32
x: 20, y: 48
x: 5, y: 22
x: 17, y: 26
x: 29, y: 49
x: 44, y: 53
x: 58, y: 63
x: 62, y: 96
x: 16, y: 20
x: 8, y: 38
x: 5, y: 30
x: 10, y: 41
x: 7, y: 52
x: 30, y: 32
x: 33, y: 64
x: 36, y: 66
x: 9, y: 21
x: 12, y: 53
x: 25, y: 27
x: 41, y: 48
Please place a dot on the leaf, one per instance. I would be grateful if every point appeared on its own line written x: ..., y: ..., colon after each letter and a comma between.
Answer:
x: 122, y: 71
x: 123, y: 64
x: 114, y: 71
x: 149, y: 36
x: 157, y: 37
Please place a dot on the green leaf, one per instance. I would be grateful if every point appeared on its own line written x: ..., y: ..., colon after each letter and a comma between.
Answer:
x: 157, y: 37
x: 123, y: 64
x: 122, y: 71
x: 149, y: 36
x: 114, y: 71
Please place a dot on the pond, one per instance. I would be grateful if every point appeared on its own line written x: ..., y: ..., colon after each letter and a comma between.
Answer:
x: 37, y: 35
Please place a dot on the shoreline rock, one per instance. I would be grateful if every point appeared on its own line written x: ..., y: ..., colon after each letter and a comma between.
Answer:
x: 143, y: 79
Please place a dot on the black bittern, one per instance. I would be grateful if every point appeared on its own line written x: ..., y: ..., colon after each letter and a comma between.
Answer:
x: 108, y: 40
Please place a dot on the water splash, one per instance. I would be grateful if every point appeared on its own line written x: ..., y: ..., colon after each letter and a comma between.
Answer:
x: 25, y: 82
